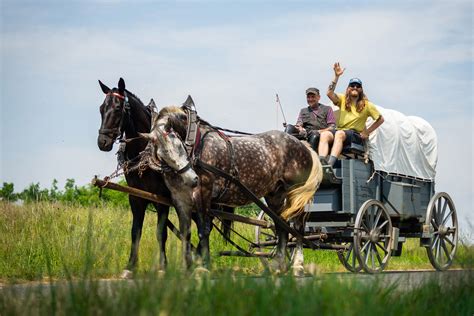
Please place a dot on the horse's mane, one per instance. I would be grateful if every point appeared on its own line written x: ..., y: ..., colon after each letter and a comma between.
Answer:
x: 168, y: 111
x: 133, y: 95
x: 175, y: 118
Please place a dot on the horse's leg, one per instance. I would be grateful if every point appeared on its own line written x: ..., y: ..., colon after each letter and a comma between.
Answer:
x: 275, y: 202
x: 298, y: 261
x: 162, y: 233
x: 280, y: 255
x: 198, y: 221
x: 138, y: 212
x: 204, y: 230
x: 184, y: 215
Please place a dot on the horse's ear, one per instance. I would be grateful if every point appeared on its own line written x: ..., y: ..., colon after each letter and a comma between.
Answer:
x: 189, y: 103
x: 152, y: 105
x: 104, y: 88
x: 121, y: 85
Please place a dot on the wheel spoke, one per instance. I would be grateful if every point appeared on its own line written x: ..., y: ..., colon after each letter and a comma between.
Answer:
x: 449, y: 241
x: 436, y: 239
x: 348, y: 252
x: 435, y: 225
x: 353, y: 260
x: 365, y: 246
x: 370, y: 217
x: 366, y: 222
x: 383, y: 224
x: 378, y: 256
x: 381, y: 247
x: 377, y: 218
x: 444, y: 209
x: 447, y: 217
x: 364, y: 227
x: 367, y: 254
x: 438, y: 249
x: 446, y: 251
x: 372, y: 250
x: 438, y: 210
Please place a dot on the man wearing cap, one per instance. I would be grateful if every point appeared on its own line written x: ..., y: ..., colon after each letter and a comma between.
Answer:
x: 355, y: 108
x: 313, y: 120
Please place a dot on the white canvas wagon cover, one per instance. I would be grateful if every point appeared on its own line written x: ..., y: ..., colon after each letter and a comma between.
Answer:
x: 405, y: 145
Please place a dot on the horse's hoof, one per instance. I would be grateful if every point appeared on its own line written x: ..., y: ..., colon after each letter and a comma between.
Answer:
x: 298, y: 271
x: 126, y: 274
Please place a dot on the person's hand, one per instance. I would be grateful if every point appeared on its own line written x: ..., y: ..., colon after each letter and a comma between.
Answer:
x: 338, y: 70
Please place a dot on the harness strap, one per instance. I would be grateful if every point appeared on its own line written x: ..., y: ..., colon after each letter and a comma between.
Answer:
x: 233, y: 169
x: 193, y: 126
x: 230, y: 149
x: 275, y: 217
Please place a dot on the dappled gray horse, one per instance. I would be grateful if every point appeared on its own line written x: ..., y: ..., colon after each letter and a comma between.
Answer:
x: 272, y: 165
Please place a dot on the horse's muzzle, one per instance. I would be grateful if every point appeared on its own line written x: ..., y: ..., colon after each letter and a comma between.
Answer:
x: 105, y: 143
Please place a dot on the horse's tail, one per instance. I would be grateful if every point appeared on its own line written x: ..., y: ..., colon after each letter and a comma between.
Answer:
x: 298, y: 197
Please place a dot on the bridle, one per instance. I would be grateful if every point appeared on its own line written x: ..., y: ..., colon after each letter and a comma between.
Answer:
x: 124, y: 119
x: 167, y: 168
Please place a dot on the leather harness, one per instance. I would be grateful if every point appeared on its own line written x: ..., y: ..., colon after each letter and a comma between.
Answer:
x: 194, y: 144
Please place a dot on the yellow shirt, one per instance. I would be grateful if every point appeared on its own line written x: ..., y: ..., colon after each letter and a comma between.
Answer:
x: 353, y: 119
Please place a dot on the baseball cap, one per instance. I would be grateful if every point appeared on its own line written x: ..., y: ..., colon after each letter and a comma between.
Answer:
x: 355, y: 80
x: 312, y: 90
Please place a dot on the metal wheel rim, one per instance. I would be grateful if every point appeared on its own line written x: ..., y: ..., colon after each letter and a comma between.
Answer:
x: 349, y: 259
x: 443, y: 222
x: 372, y: 236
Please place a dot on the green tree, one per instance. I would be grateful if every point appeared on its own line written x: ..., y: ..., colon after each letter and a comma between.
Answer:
x: 33, y: 193
x: 7, y: 192
x: 54, y: 193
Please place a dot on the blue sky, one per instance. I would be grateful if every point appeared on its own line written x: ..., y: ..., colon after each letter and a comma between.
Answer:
x: 232, y: 57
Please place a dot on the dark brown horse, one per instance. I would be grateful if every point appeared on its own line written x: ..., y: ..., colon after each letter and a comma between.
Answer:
x: 273, y: 165
x: 124, y: 114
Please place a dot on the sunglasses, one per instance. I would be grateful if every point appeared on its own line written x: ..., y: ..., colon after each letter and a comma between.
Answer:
x: 355, y: 85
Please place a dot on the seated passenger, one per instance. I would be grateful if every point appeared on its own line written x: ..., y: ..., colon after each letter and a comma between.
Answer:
x: 355, y: 108
x: 313, y: 120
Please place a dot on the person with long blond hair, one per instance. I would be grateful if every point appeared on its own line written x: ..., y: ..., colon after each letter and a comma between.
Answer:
x: 355, y: 108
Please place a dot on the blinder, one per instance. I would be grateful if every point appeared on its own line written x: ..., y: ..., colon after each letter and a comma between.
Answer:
x: 167, y: 168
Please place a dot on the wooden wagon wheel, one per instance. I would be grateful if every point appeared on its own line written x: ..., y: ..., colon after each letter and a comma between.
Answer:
x: 349, y: 259
x: 442, y: 221
x: 267, y: 239
x: 372, y: 236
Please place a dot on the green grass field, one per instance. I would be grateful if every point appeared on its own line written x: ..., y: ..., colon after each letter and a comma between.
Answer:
x: 77, y: 245
x: 41, y: 235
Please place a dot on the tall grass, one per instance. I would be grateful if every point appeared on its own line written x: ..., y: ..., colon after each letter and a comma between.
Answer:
x: 71, y: 248
x: 45, y: 240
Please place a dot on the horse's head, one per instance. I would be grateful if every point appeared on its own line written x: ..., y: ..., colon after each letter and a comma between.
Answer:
x: 167, y: 147
x: 113, y: 112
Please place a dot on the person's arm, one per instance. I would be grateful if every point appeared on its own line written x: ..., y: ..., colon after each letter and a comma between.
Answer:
x: 338, y: 71
x: 299, y: 123
x: 365, y: 133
